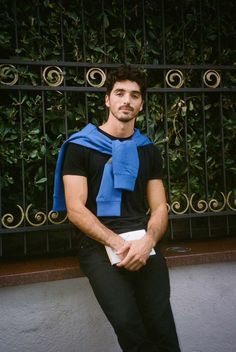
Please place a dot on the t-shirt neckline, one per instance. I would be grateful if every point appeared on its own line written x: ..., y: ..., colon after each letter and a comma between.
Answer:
x: 113, y: 137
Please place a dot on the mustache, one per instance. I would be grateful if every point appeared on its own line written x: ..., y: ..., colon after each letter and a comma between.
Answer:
x: 127, y: 107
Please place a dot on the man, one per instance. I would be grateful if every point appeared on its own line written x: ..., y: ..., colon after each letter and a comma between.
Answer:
x: 111, y: 178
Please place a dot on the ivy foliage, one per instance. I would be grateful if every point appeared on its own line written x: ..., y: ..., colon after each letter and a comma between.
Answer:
x: 199, y: 156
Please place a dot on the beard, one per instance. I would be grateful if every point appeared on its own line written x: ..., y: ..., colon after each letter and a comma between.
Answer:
x: 124, y: 116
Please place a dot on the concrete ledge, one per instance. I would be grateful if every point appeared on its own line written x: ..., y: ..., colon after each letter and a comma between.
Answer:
x: 51, y: 269
x: 200, y: 252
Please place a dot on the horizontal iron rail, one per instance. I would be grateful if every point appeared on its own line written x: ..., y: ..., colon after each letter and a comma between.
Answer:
x: 67, y: 226
x: 37, y: 228
x: 95, y: 89
x: 202, y: 215
x: 104, y: 65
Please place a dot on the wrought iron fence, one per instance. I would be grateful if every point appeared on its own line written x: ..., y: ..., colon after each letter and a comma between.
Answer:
x: 43, y: 101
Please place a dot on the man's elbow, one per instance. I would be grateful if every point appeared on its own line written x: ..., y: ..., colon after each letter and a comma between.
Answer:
x: 71, y: 213
x: 75, y: 212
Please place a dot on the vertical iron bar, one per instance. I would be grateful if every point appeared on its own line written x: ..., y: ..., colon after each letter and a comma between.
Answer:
x: 1, y: 247
x: 171, y: 224
x: 64, y: 80
x: 1, y: 241
x: 0, y: 198
x: 62, y: 36
x: 65, y: 93
x: 189, y: 220
x: 45, y: 166
x: 205, y: 159
x: 219, y: 31
x: 39, y: 29
x: 44, y: 135
x: 15, y: 24
x: 163, y: 32
x: 83, y: 30
x: 223, y: 155
x: 84, y: 54
x: 187, y: 164
x: 124, y: 30
x: 104, y: 32
x: 221, y: 113
x: 201, y: 30
x: 22, y: 165
x: 204, y: 117
x: 1, y: 237
x: 144, y: 32
x: 144, y: 41
x: 45, y: 144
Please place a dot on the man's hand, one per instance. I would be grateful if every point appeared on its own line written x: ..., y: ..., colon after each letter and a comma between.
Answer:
x: 134, y: 254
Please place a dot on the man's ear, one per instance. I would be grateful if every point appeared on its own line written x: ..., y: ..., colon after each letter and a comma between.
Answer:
x: 141, y: 107
x: 107, y: 101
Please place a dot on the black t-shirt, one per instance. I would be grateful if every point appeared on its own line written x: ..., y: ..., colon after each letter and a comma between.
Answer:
x: 83, y: 161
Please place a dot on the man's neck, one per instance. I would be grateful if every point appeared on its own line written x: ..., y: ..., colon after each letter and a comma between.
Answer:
x: 118, y: 129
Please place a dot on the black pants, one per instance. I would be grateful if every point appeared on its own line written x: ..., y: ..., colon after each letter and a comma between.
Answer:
x: 136, y: 303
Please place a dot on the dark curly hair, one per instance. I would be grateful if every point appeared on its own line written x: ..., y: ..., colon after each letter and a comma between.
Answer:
x: 126, y: 72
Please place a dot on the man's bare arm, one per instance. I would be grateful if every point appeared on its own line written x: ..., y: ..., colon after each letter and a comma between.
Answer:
x: 139, y: 251
x: 158, y: 221
x: 76, y: 192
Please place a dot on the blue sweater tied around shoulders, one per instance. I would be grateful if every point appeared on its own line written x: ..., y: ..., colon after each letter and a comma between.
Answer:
x: 120, y: 172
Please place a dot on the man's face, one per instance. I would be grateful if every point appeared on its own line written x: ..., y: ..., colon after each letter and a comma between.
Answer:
x: 125, y: 101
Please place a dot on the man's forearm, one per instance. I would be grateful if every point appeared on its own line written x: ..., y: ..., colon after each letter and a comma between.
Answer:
x: 157, y: 223
x: 89, y: 224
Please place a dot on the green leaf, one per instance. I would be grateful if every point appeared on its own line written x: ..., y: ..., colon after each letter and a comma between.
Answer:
x: 207, y: 107
x: 42, y: 180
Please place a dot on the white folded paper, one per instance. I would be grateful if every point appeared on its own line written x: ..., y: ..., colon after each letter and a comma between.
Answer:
x: 127, y: 236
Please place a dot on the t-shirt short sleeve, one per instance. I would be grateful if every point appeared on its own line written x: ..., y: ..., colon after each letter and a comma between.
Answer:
x: 156, y: 171
x: 74, y: 160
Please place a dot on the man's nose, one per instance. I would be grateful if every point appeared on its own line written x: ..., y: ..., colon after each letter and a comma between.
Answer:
x: 127, y: 99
